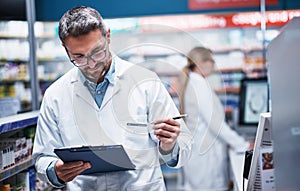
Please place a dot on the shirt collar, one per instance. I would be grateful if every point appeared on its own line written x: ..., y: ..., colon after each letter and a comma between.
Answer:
x: 110, y: 76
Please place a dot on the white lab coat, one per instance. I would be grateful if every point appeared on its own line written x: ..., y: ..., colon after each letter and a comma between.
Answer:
x: 69, y: 116
x: 207, y: 169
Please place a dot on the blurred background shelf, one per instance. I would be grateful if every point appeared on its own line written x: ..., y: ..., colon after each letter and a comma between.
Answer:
x: 15, y: 169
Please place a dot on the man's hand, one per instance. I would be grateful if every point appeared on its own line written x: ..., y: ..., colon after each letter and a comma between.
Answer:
x: 66, y: 172
x: 166, y: 131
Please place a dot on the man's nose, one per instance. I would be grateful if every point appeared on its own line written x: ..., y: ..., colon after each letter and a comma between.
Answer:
x: 91, y: 62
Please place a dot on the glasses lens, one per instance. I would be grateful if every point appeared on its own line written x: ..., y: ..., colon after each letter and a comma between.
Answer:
x: 99, y: 55
x: 96, y: 57
x: 80, y: 62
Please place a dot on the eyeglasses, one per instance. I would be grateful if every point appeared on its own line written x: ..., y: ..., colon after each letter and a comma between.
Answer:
x: 96, y: 57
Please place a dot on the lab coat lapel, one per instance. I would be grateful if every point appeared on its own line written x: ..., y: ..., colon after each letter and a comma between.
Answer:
x: 86, y: 114
x: 86, y: 110
x: 115, y: 89
x: 88, y: 125
x: 80, y: 91
x: 111, y: 91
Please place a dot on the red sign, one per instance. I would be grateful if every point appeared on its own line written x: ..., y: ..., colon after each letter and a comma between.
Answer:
x: 182, y: 22
x: 209, y: 21
x: 253, y: 19
x: 221, y: 4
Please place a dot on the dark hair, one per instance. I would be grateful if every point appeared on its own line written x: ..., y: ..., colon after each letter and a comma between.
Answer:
x: 80, y: 21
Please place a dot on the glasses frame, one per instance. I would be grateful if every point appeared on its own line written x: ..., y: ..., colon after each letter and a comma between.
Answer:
x: 89, y: 57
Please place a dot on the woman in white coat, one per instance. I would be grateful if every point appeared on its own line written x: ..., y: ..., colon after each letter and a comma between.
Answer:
x: 207, y: 169
x: 93, y: 104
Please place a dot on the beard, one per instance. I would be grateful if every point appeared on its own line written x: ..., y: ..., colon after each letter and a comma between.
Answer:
x: 97, y: 73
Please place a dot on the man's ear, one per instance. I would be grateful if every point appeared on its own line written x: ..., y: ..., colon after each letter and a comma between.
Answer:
x: 108, y: 35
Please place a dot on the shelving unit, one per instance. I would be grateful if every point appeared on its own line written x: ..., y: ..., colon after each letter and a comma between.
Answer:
x: 11, y: 171
x: 235, y: 59
x: 17, y: 87
x: 15, y: 74
x: 14, y: 65
x: 12, y: 125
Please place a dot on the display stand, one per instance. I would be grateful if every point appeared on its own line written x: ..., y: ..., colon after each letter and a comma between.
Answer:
x: 283, y: 57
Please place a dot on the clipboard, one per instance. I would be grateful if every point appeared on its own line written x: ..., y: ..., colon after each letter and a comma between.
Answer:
x: 107, y: 158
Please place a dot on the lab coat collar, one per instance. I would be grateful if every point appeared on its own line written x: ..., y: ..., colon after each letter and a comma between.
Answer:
x: 81, y: 91
x: 120, y: 66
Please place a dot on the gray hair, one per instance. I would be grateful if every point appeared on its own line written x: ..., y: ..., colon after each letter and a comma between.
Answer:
x: 80, y: 21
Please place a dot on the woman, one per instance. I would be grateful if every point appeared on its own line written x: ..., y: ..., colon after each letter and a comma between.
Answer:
x: 207, y: 168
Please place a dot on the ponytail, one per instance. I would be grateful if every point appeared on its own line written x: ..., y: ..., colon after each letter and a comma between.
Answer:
x: 194, y: 56
x: 184, y: 78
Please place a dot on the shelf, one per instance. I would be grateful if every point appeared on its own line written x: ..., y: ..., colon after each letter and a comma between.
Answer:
x: 245, y: 68
x: 51, y: 59
x: 12, y: 81
x: 17, y: 60
x: 9, y: 36
x: 240, y: 49
x: 6, y: 173
x: 40, y: 59
x: 25, y: 36
x: 228, y: 110
x: 228, y: 90
x: 226, y: 50
x: 18, y: 121
x: 48, y: 80
x: 233, y: 69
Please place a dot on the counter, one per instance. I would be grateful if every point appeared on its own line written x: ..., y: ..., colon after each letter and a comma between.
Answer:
x: 237, y: 168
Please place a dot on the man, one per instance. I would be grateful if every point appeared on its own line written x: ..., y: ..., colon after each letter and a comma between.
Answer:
x: 93, y: 104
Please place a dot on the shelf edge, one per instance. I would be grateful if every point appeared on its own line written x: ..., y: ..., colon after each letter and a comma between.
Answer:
x: 18, y: 121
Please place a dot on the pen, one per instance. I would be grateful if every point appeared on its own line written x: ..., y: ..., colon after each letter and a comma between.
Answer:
x: 146, y: 124
x: 180, y: 116
x: 137, y: 124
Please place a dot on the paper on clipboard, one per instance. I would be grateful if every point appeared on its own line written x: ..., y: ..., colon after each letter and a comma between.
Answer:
x: 106, y: 158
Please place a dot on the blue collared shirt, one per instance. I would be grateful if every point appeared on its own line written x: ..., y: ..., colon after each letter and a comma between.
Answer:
x: 98, y: 90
